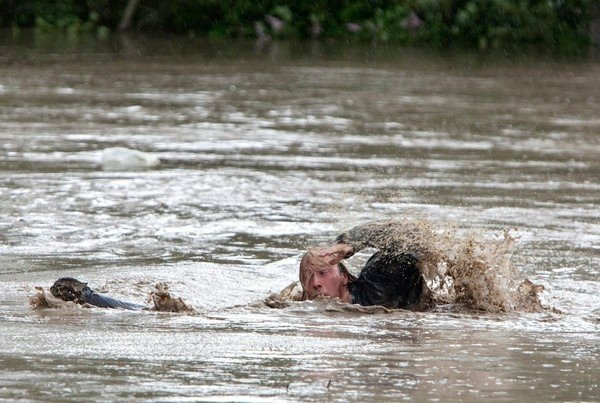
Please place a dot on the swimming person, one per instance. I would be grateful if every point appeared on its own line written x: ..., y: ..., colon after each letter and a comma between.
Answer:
x: 390, y: 278
x: 73, y: 290
x: 70, y: 289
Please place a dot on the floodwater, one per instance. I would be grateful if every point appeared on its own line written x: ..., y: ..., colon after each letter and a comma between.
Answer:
x: 263, y: 153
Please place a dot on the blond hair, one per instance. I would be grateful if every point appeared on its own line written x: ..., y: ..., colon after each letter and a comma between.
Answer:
x: 310, y: 262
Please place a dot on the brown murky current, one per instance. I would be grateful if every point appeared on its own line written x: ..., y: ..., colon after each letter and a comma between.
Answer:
x: 250, y: 156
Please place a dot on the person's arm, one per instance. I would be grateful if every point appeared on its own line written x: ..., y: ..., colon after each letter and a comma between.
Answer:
x: 388, y: 236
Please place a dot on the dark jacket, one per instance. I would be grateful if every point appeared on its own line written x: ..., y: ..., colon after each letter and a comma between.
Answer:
x: 391, y: 277
x: 71, y: 289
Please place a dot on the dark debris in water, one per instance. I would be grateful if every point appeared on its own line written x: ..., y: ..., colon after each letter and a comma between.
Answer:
x: 164, y: 302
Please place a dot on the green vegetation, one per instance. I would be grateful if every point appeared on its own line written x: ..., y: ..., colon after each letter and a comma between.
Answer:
x: 442, y: 23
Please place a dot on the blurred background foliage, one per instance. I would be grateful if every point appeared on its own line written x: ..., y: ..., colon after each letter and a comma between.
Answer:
x: 441, y: 23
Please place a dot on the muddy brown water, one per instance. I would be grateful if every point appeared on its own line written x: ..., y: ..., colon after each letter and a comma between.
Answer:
x: 263, y: 153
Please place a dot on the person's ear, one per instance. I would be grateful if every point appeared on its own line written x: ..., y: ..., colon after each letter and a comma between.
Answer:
x: 345, y: 279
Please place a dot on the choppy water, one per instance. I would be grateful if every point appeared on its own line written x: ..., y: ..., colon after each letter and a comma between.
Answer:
x: 265, y: 152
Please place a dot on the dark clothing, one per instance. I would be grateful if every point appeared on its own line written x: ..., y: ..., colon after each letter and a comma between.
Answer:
x: 393, y: 281
x: 91, y: 297
x: 71, y: 289
x: 391, y: 277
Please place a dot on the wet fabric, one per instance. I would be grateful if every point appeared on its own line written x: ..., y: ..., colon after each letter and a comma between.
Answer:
x: 71, y: 289
x: 391, y: 277
x: 393, y: 281
x: 93, y: 298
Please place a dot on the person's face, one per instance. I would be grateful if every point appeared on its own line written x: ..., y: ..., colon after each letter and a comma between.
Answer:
x: 326, y: 280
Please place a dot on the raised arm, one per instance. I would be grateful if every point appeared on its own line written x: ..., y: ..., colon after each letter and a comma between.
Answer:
x: 382, y: 235
x: 389, y: 236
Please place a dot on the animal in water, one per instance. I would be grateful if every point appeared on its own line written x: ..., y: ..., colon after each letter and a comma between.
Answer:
x: 71, y: 289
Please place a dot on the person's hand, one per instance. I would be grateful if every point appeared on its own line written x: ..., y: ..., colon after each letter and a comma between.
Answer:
x: 336, y: 253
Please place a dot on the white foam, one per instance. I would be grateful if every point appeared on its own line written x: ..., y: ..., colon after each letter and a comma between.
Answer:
x: 120, y: 158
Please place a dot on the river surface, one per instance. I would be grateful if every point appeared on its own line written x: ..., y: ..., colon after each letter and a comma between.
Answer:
x: 263, y: 153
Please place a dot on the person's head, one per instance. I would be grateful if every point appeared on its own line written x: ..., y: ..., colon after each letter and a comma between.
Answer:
x: 69, y: 289
x: 318, y: 277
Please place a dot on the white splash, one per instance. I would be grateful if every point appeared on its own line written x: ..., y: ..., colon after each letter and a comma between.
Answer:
x: 120, y: 158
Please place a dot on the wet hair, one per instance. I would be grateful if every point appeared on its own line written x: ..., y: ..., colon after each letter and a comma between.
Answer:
x: 69, y: 289
x: 309, y: 264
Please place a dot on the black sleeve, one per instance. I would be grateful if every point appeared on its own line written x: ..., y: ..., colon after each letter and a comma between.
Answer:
x: 388, y: 236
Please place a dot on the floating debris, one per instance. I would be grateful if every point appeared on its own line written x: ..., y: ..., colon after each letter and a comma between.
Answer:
x: 120, y: 158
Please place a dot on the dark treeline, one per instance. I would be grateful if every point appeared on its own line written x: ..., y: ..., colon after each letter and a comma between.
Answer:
x: 440, y: 23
